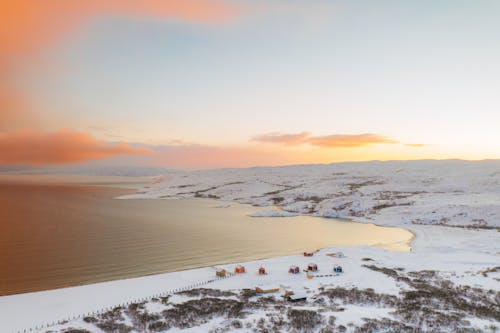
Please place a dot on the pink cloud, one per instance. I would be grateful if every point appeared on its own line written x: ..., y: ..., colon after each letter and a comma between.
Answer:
x: 326, y: 141
x: 63, y: 146
x: 349, y: 140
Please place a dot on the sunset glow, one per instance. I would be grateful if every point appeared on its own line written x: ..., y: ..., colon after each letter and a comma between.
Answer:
x: 221, y: 83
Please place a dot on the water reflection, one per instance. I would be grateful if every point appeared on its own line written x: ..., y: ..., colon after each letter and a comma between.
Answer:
x: 53, y: 236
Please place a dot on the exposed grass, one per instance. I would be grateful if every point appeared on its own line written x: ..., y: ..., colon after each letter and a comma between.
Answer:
x: 304, y: 320
x: 430, y: 303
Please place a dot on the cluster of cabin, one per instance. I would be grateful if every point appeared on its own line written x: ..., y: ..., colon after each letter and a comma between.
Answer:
x: 289, y: 295
x: 312, y: 267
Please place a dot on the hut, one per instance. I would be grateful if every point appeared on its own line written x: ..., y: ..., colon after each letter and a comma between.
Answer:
x: 267, y: 289
x: 294, y: 270
x: 296, y: 297
x: 308, y: 254
x: 221, y: 273
x: 239, y: 269
x: 312, y: 267
x: 337, y: 269
x: 262, y: 271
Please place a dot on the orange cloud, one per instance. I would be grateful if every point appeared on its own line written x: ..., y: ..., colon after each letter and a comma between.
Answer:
x: 327, y: 141
x: 30, y: 26
x: 349, y: 140
x: 286, y: 139
x: 64, y: 146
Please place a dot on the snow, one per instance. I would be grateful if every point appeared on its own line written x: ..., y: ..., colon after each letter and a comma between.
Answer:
x: 450, y: 192
x: 424, y: 197
x: 22, y: 311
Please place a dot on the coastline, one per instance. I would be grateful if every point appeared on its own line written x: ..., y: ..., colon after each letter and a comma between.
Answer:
x: 69, y: 294
x: 391, y: 246
x: 449, y: 254
x: 74, y: 301
x: 234, y: 221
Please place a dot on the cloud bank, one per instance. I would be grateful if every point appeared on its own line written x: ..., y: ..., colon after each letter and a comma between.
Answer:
x: 61, y: 147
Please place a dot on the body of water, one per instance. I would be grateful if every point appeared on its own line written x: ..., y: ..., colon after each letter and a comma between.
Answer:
x: 54, y: 236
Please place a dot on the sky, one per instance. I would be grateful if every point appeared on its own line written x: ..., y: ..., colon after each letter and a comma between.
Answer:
x: 239, y: 83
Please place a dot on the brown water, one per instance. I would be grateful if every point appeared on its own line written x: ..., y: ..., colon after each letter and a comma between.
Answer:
x: 54, y: 236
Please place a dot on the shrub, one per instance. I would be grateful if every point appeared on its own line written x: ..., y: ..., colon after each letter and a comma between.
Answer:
x: 304, y: 320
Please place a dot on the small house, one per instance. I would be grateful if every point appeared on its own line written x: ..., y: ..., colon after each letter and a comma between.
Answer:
x: 262, y: 271
x: 239, y: 269
x: 312, y: 267
x: 337, y: 269
x: 294, y: 270
x: 296, y: 297
x: 267, y: 289
x: 308, y: 254
x: 221, y: 273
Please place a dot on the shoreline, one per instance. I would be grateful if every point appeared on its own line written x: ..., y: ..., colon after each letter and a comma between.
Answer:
x: 188, y: 271
x: 408, y: 243
x: 112, y: 293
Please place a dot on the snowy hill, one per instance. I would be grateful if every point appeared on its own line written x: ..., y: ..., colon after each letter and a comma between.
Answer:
x: 450, y: 192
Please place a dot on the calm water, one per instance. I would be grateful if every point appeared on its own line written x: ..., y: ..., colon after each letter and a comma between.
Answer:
x: 54, y: 236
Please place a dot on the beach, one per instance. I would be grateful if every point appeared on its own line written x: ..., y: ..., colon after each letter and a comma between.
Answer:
x: 458, y: 255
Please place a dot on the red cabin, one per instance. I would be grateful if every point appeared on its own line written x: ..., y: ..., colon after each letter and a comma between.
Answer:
x: 262, y: 271
x: 294, y: 270
x: 312, y: 267
x: 308, y: 254
x: 239, y: 269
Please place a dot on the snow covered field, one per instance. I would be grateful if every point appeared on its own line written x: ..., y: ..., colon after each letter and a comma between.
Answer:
x: 451, y: 192
x: 449, y: 282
